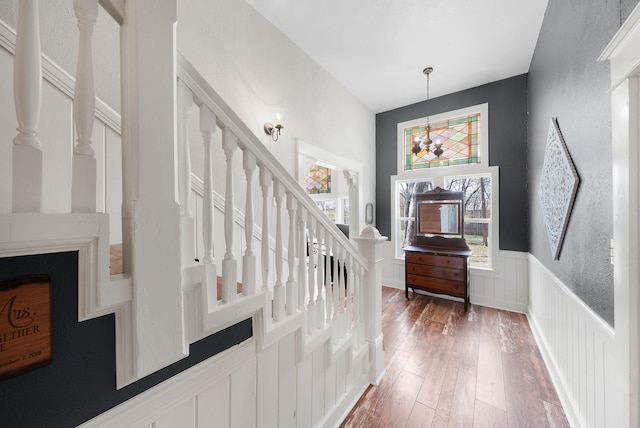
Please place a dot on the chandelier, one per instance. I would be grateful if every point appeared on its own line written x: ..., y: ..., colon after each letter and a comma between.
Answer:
x: 426, y: 144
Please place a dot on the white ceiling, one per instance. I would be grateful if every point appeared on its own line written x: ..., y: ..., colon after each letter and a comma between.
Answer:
x: 378, y: 48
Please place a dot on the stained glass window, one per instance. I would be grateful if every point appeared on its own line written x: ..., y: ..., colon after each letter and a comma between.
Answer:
x: 318, y: 180
x: 459, y: 140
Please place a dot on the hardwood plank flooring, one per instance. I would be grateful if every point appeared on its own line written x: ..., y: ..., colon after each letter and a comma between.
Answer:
x: 447, y: 368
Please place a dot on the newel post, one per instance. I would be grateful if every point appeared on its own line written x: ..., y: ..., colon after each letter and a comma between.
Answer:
x: 370, y: 245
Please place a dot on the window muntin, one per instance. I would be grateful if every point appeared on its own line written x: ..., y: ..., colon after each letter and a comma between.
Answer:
x: 459, y: 138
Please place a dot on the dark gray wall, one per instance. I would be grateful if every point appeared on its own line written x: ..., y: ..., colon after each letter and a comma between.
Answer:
x: 80, y: 381
x: 566, y: 81
x: 507, y: 149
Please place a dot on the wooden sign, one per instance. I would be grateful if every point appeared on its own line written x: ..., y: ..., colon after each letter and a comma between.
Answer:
x: 25, y: 325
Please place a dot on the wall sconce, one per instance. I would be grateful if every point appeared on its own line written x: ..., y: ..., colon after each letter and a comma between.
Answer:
x: 273, y: 130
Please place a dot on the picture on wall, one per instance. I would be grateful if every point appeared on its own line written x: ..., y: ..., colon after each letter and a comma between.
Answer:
x: 558, y: 187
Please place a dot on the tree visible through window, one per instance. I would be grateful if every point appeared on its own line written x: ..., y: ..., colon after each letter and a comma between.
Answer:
x: 407, y: 207
x: 477, y: 214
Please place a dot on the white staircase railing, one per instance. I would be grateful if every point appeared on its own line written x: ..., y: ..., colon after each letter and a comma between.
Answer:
x: 311, y: 278
x: 307, y: 285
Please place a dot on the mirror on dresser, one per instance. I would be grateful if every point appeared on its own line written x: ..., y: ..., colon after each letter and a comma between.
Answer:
x: 437, y: 259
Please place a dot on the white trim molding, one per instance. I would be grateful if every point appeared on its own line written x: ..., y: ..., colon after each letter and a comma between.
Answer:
x: 623, y: 54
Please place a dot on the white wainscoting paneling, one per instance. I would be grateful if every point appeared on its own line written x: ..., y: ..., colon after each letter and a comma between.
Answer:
x: 577, y: 347
x: 240, y: 388
x: 506, y: 287
x: 220, y: 391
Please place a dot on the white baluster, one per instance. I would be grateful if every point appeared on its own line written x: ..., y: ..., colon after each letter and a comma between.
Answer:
x: 208, y: 128
x: 341, y: 315
x: 335, y: 331
x: 311, y: 311
x: 27, y: 94
x: 349, y: 290
x: 249, y: 258
x: 327, y: 283
x: 278, y: 289
x: 187, y: 223
x: 229, y: 264
x: 303, y: 260
x: 265, y: 183
x: 291, y: 256
x: 320, y: 277
x: 351, y: 177
x: 83, y: 183
x: 342, y: 306
x: 358, y: 318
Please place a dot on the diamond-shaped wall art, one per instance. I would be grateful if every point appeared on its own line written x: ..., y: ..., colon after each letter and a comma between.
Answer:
x: 558, y: 187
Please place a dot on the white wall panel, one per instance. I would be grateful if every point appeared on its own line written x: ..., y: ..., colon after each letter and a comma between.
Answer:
x: 268, y: 387
x: 183, y: 416
x: 304, y: 402
x: 330, y: 385
x: 243, y: 398
x: 318, y: 385
x: 213, y: 405
x: 577, y: 346
x: 344, y: 377
x: 287, y: 388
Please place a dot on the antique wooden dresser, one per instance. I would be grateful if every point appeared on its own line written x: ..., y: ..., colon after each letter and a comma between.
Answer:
x: 437, y: 260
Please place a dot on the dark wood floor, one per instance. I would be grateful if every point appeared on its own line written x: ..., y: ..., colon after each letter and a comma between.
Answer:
x: 447, y: 368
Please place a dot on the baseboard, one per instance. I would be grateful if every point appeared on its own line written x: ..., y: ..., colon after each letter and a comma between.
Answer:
x: 498, y: 304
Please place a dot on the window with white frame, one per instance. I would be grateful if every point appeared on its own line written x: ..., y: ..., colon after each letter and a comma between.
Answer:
x: 327, y: 189
x: 466, y: 171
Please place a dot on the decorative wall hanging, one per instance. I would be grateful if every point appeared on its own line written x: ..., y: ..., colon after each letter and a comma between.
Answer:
x: 25, y: 325
x: 558, y: 187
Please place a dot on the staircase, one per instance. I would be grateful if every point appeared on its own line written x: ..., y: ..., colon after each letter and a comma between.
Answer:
x: 244, y: 220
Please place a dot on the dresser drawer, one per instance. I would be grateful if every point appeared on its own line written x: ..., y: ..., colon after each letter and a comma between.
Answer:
x: 435, y: 271
x: 436, y: 285
x: 441, y: 261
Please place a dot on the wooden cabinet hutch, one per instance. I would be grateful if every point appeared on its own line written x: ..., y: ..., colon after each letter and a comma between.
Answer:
x: 437, y: 260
